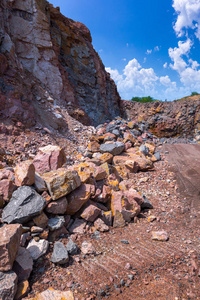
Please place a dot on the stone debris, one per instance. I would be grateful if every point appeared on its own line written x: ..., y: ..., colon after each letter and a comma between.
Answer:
x: 25, y: 173
x: 56, y: 223
x: 52, y: 294
x: 23, y: 264
x: 37, y: 249
x: 160, y: 235
x: 72, y: 247
x: 87, y: 248
x: 8, y: 285
x: 22, y: 290
x: 60, y: 254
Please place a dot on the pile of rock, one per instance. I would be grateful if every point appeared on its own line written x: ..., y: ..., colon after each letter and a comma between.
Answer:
x: 41, y: 199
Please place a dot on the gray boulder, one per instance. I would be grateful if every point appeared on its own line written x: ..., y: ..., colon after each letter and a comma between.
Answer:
x: 157, y: 155
x: 60, y: 254
x: 113, y: 148
x: 72, y: 247
x: 23, y: 264
x: 56, y: 223
x: 144, y: 149
x: 23, y: 206
x: 8, y: 285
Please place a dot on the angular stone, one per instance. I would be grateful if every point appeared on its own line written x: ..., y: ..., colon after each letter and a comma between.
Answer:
x: 99, y: 173
x: 60, y: 254
x: 160, y: 235
x: 90, y: 213
x: 87, y: 248
x: 56, y: 223
x: 72, y: 247
x: 93, y: 146
x: 8, y: 285
x: 52, y: 294
x: 85, y: 171
x: 146, y: 204
x: 151, y: 146
x: 132, y: 195
x: 23, y: 264
x: 113, y: 148
x: 118, y: 220
x: 54, y: 235
x: 106, y: 158
x: 37, y: 249
x: 10, y: 236
x: 22, y: 290
x: 107, y: 217
x: 41, y: 220
x: 61, y: 182
x: 105, y: 196
x: 100, y: 225
x: 78, y: 198
x: 25, y: 173
x: 36, y: 229
x: 57, y: 207
x: 49, y: 158
x: 6, y: 190
x: 144, y: 149
x: 40, y: 183
x: 23, y: 206
x: 116, y: 201
x: 79, y: 226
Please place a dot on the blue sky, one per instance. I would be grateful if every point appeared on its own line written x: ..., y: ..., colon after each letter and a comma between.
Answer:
x: 148, y: 47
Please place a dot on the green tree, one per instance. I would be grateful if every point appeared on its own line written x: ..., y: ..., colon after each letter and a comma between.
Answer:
x: 194, y: 93
x: 143, y: 99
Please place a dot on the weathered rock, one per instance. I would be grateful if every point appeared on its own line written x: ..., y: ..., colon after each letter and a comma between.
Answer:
x: 54, y: 235
x: 60, y: 254
x: 23, y: 264
x: 160, y: 235
x: 57, y: 207
x: 49, y: 158
x: 90, y: 213
x: 99, y: 173
x: 85, y: 171
x: 9, y: 243
x: 113, y: 148
x: 132, y: 195
x: 87, y: 248
x: 37, y: 249
x: 72, y: 247
x: 146, y: 204
x: 41, y: 220
x: 93, y: 146
x: 118, y: 220
x: 100, y: 225
x: 78, y: 198
x: 106, y: 158
x: 56, y: 223
x: 79, y: 226
x: 39, y: 183
x: 105, y: 196
x: 22, y: 290
x: 2, y: 152
x: 144, y: 149
x: 61, y: 182
x: 25, y: 173
x: 8, y: 285
x: 52, y: 294
x: 107, y: 217
x: 23, y: 206
x: 36, y: 229
x: 6, y: 190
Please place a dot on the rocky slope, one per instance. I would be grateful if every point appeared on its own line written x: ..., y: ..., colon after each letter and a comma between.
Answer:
x: 167, y: 119
x: 47, y: 65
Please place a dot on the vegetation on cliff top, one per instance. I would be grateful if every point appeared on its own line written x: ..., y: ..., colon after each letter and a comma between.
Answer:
x: 143, y: 99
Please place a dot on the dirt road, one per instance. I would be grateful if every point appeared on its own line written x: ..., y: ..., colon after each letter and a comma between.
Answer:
x: 160, y: 270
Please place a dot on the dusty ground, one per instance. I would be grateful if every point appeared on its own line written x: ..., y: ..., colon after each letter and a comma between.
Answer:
x: 161, y: 270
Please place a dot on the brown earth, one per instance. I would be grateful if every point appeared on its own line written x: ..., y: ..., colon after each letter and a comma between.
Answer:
x: 161, y: 270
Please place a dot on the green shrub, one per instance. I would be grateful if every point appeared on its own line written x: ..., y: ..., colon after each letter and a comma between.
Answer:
x: 143, y: 99
x: 194, y: 93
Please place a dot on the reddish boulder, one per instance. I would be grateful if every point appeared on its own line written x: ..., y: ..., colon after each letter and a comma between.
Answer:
x: 90, y: 213
x: 57, y: 207
x: 6, y: 190
x: 25, y: 173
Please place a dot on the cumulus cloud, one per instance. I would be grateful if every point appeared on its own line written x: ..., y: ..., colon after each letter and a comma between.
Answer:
x: 156, y: 48
x: 165, y: 65
x: 188, y: 16
x: 149, y: 51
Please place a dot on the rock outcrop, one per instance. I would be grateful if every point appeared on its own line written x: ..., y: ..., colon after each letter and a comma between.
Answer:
x: 47, y: 61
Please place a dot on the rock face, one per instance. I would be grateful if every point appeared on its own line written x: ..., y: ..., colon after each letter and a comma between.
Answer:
x: 8, y: 285
x: 50, y: 60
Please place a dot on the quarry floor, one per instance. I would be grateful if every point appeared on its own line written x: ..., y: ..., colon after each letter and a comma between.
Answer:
x: 161, y: 270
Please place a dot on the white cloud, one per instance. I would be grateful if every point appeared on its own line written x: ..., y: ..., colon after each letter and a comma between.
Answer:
x: 165, y: 65
x: 149, y: 51
x: 188, y: 16
x: 156, y: 49
x: 114, y: 74
x: 124, y: 59
x: 145, y: 59
x: 176, y: 54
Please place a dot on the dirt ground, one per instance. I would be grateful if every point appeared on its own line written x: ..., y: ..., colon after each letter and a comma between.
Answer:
x: 160, y: 270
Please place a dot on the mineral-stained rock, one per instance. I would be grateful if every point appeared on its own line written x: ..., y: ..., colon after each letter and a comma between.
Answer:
x: 78, y: 198
x: 9, y: 243
x: 144, y: 149
x: 93, y: 146
x: 8, y: 285
x: 25, y: 173
x: 132, y: 195
x: 113, y: 148
x: 106, y: 158
x: 22, y: 290
x: 99, y: 173
x: 118, y: 220
x: 85, y: 171
x: 41, y: 220
x: 23, y: 264
x: 49, y: 158
x: 87, y: 248
x: 6, y: 190
x: 39, y: 183
x: 107, y: 217
x: 61, y: 182
x: 72, y: 247
x: 52, y: 294
x: 90, y: 213
x: 57, y: 207
x: 60, y: 254
x: 100, y: 225
x: 78, y: 226
x: 56, y: 223
x: 160, y: 235
x: 54, y: 235
x: 23, y: 206
x: 37, y: 249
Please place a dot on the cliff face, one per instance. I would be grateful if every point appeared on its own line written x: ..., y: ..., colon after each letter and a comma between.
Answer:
x: 47, y: 61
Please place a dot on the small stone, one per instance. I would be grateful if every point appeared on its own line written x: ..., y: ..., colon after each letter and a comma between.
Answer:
x: 72, y: 248
x: 22, y: 290
x: 113, y: 148
x: 56, y: 223
x: 37, y: 249
x: 8, y: 285
x: 144, y: 149
x: 125, y: 242
x: 160, y: 235
x: 118, y: 220
x: 41, y: 220
x: 40, y: 183
x: 54, y: 235
x: 52, y: 294
x: 60, y: 254
x: 100, y: 225
x: 151, y: 218
x: 131, y: 277
x: 87, y: 248
x: 79, y: 226
x: 36, y: 229
x: 6, y: 190
x: 127, y: 266
x: 90, y: 213
x: 146, y: 204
